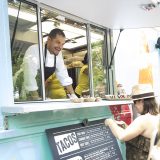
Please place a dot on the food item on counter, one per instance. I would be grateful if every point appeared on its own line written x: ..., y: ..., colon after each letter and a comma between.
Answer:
x: 124, y: 96
x: 85, y: 99
x: 110, y: 97
x: 117, y: 97
x: 77, y: 100
x: 89, y: 99
x: 98, y: 99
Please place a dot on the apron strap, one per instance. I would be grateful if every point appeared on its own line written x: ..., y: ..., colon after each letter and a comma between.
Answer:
x: 48, y: 70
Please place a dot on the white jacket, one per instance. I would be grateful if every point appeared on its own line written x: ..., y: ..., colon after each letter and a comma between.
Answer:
x: 31, y: 65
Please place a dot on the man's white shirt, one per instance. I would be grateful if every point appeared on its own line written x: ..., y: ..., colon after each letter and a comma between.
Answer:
x: 31, y: 65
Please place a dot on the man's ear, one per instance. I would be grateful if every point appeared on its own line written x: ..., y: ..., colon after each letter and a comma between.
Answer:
x: 49, y: 38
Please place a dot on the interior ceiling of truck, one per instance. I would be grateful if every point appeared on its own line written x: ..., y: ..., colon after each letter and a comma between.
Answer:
x: 113, y: 14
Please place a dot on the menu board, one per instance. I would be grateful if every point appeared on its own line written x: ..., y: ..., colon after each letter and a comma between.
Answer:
x: 93, y: 141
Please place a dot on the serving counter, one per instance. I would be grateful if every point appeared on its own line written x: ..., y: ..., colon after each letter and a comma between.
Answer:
x: 24, y: 137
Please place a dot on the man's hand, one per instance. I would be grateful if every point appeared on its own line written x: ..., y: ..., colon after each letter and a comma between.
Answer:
x: 72, y: 96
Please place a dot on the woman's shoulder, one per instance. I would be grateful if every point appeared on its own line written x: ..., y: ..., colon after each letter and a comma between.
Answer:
x: 145, y: 118
x: 150, y: 119
x: 151, y: 116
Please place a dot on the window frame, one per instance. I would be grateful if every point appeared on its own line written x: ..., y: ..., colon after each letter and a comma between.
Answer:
x: 88, y: 24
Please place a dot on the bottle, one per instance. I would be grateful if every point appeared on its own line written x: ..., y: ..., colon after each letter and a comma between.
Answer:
x: 120, y: 89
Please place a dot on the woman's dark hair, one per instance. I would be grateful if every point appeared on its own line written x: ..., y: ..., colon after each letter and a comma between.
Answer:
x: 150, y: 106
x: 158, y: 134
x: 157, y: 137
x: 54, y: 32
x: 85, y: 60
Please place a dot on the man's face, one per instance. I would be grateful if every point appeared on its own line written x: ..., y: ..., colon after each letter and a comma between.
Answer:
x: 55, y: 45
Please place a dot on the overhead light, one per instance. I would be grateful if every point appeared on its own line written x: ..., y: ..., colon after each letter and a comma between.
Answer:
x: 22, y: 15
x: 155, y: 1
x: 76, y: 37
x: 59, y: 17
x: 148, y: 7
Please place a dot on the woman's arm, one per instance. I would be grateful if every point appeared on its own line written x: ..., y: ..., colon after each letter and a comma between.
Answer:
x: 133, y: 130
x: 85, y: 71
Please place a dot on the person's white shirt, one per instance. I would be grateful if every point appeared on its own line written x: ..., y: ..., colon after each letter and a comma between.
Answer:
x: 31, y: 65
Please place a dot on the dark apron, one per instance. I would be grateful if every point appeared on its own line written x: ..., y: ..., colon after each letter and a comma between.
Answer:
x: 48, y: 71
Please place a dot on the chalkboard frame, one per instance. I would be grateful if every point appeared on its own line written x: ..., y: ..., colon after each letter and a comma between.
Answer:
x: 52, y: 133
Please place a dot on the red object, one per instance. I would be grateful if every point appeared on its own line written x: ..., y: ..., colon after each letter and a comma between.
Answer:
x: 122, y: 113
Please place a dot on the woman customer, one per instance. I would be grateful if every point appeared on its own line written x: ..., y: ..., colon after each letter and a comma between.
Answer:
x: 141, y: 129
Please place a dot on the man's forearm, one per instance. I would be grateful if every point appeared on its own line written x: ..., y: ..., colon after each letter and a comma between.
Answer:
x: 69, y: 89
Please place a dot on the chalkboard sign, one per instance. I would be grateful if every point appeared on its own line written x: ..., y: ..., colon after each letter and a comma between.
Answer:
x: 78, y: 142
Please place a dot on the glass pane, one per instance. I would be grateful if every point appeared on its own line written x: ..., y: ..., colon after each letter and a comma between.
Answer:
x: 26, y: 80
x: 99, y: 75
x: 73, y: 52
x: 140, y: 47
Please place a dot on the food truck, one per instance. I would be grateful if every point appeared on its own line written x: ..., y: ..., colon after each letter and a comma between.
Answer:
x: 54, y: 127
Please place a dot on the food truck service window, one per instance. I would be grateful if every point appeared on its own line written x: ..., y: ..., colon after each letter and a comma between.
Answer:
x: 30, y: 25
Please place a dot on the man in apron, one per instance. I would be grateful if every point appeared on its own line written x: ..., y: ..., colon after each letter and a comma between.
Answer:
x: 53, y: 63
